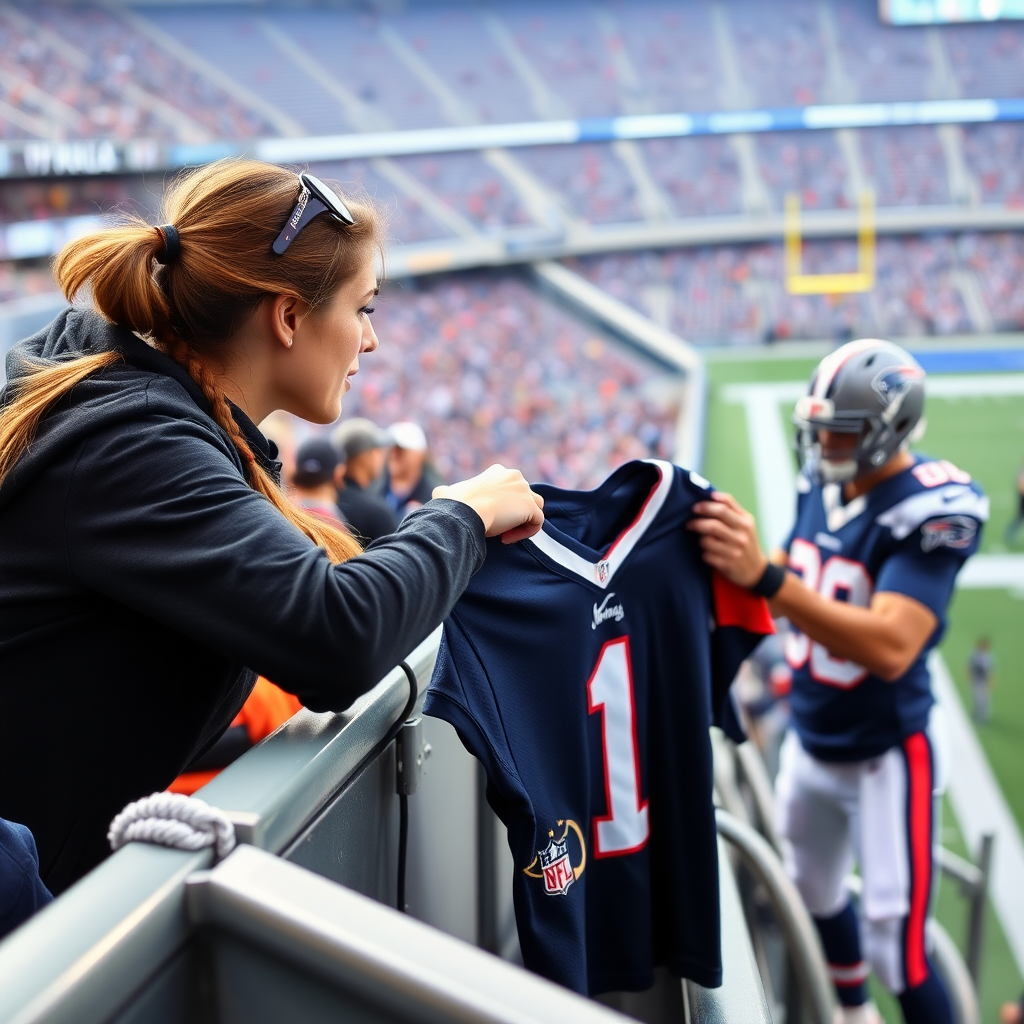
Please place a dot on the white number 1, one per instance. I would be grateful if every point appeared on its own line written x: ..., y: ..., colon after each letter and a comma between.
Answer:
x: 624, y: 829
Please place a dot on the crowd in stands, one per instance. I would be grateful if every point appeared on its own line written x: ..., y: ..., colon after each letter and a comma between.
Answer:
x: 737, y: 293
x: 194, y: 72
x: 493, y: 372
x: 86, y: 73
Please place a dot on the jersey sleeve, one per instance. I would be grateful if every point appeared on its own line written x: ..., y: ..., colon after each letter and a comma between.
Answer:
x: 933, y: 532
x: 742, y: 620
x: 926, y: 574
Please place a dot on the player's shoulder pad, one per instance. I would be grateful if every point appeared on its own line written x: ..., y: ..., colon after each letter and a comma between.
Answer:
x: 944, y: 503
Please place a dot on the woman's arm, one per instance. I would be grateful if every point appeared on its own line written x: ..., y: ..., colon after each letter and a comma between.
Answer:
x: 886, y: 637
x: 159, y: 519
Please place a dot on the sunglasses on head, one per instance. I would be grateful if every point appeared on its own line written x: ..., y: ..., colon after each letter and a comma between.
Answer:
x: 314, y: 198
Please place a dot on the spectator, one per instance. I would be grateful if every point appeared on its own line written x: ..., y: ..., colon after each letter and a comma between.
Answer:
x: 22, y: 892
x: 363, y: 448
x: 981, y: 666
x: 1013, y: 527
x: 1012, y: 1013
x: 266, y: 708
x: 315, y: 479
x: 411, y: 478
x: 134, y: 480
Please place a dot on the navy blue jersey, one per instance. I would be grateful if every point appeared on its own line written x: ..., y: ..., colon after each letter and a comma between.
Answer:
x: 909, y: 535
x: 582, y: 668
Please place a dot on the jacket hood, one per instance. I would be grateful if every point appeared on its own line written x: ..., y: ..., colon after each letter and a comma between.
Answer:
x: 145, y: 382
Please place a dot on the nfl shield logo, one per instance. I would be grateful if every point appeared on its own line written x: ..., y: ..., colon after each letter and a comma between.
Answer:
x: 555, y: 866
x: 603, y: 570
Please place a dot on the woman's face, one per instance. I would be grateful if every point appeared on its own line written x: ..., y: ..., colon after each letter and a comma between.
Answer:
x: 326, y: 347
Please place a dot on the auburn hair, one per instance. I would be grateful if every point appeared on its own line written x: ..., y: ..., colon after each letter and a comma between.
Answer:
x: 227, y: 215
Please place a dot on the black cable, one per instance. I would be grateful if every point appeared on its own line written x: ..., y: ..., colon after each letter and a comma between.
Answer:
x: 403, y: 798
x: 403, y: 847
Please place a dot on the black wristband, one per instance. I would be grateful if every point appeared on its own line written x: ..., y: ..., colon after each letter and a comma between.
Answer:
x: 770, y: 582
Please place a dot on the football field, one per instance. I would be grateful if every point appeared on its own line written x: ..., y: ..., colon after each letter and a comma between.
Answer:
x: 975, y: 413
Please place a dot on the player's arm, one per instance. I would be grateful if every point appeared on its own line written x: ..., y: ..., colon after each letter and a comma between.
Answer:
x: 886, y: 637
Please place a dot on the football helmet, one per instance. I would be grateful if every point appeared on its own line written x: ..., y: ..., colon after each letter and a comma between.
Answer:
x: 870, y: 388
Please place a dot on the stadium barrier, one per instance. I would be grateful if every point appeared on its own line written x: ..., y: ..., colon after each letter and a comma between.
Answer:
x: 154, y: 935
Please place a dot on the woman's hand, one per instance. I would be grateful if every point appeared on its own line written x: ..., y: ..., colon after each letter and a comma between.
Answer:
x: 503, y: 500
x: 728, y: 539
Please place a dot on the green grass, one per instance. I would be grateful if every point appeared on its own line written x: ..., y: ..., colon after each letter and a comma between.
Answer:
x: 1000, y: 616
x: 986, y: 438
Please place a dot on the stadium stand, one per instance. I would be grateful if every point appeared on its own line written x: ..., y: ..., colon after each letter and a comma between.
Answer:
x: 592, y: 182
x: 735, y: 293
x: 898, y: 63
x: 189, y: 73
x: 495, y: 373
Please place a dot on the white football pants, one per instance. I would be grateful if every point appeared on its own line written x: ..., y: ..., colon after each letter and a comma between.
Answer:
x: 882, y: 815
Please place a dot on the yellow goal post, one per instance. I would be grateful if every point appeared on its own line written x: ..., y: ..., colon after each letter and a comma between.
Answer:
x: 860, y: 280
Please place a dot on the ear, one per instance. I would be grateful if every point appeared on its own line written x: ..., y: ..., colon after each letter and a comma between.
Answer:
x: 339, y: 475
x: 285, y: 314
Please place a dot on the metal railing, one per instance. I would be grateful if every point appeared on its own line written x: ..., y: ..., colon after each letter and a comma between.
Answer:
x: 152, y: 935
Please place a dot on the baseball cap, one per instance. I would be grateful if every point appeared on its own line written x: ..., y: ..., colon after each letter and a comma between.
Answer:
x: 315, y: 462
x: 358, y: 435
x: 408, y: 435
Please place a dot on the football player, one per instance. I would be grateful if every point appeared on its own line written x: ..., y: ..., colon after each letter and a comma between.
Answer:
x: 864, y: 579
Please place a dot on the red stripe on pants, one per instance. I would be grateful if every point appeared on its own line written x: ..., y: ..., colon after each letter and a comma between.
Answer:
x: 919, y: 814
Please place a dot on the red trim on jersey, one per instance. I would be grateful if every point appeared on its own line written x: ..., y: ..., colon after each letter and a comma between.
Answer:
x: 643, y: 508
x: 737, y: 606
x: 919, y: 819
x: 641, y: 804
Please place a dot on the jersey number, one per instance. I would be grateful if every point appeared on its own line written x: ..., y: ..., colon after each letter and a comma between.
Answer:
x: 624, y: 828
x: 838, y: 576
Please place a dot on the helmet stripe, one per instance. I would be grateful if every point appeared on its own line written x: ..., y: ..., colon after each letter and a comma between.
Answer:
x: 835, y: 361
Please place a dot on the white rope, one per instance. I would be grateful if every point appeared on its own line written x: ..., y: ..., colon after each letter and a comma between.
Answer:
x: 171, y: 819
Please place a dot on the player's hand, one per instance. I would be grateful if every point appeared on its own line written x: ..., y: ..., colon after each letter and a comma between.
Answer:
x: 503, y: 500
x: 728, y: 539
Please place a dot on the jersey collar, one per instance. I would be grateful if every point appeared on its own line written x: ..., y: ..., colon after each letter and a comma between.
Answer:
x: 596, y: 567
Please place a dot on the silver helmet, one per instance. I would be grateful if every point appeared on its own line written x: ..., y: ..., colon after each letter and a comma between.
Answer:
x: 870, y: 388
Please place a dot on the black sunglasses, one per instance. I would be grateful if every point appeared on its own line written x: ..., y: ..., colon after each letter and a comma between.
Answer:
x: 314, y: 198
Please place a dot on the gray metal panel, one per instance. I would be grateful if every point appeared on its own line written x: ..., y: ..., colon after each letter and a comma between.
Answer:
x: 252, y: 986
x: 83, y: 957
x: 741, y: 997
x: 358, y: 946
x: 355, y: 840
x: 174, y: 996
x: 441, y: 875
x: 278, y: 788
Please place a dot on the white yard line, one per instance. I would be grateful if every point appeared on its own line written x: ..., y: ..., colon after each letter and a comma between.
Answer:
x: 770, y: 453
x: 974, y: 793
x: 992, y: 572
x: 980, y: 807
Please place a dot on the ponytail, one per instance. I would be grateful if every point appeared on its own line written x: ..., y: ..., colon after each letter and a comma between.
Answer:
x: 225, y: 216
x: 35, y: 393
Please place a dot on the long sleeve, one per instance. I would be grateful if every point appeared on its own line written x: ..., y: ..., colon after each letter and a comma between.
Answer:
x: 158, y: 518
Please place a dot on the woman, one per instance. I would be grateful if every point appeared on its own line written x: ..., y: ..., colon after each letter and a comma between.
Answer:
x: 146, y: 548
x: 880, y: 536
